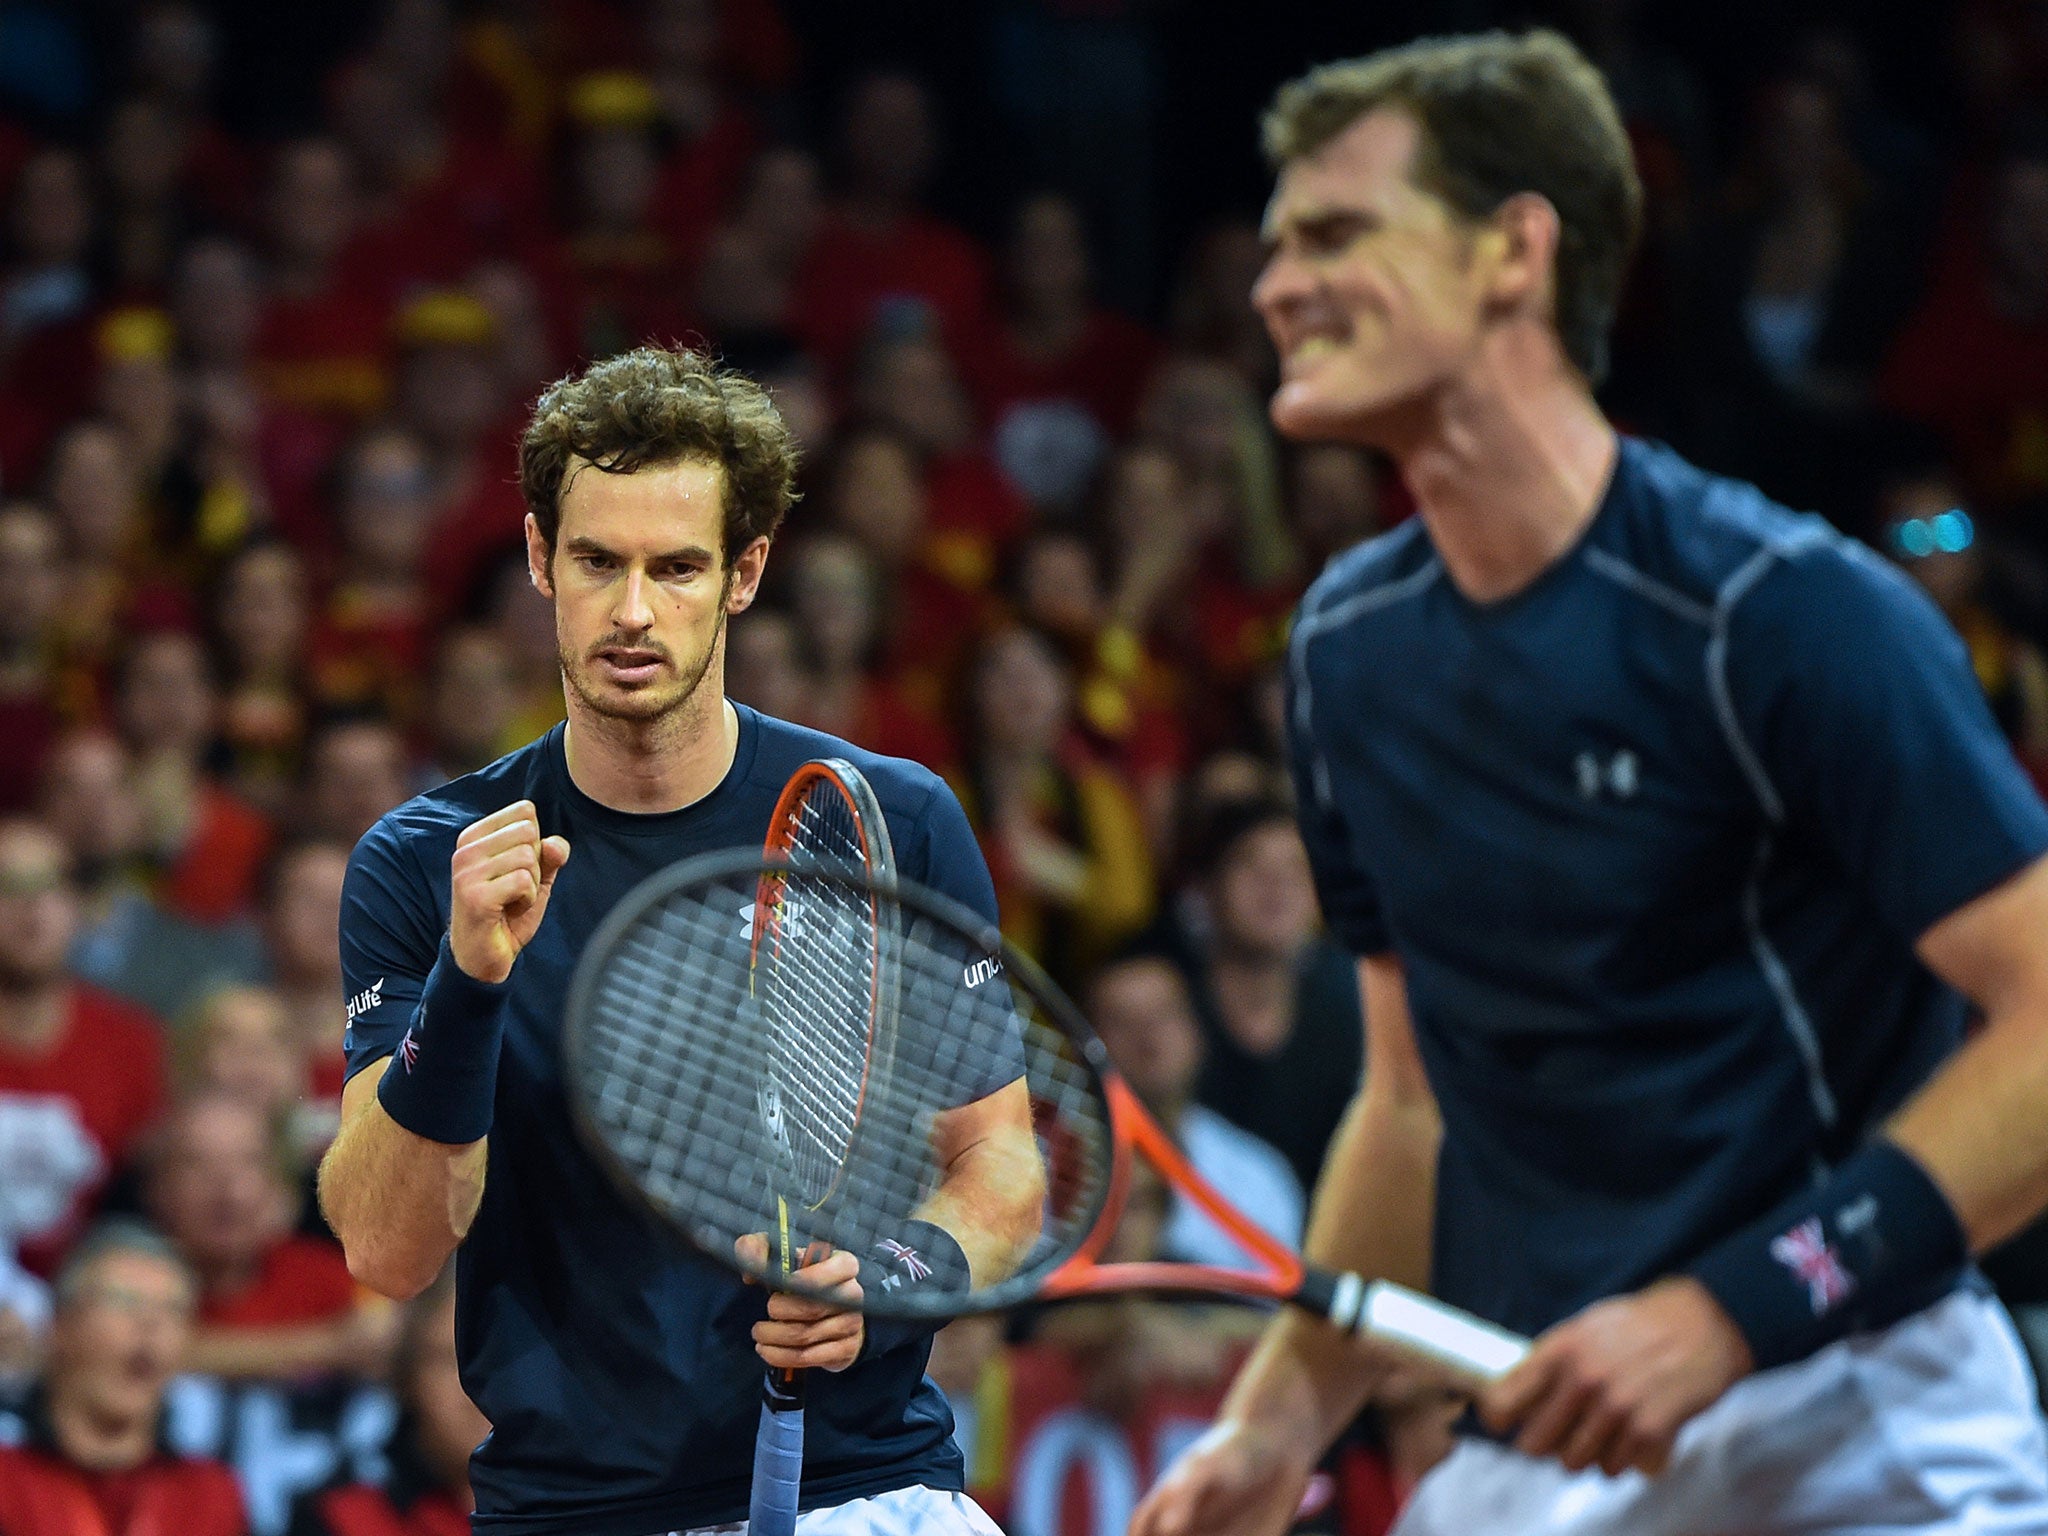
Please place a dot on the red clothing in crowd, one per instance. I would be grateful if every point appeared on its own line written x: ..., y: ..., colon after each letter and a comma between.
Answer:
x: 41, y: 1494
x: 853, y: 274
x: 481, y: 201
x: 361, y: 1510
x: 1980, y: 379
x: 325, y: 352
x: 303, y: 1280
x: 1105, y: 372
x: 215, y: 875
x: 702, y: 179
x: 69, y: 1115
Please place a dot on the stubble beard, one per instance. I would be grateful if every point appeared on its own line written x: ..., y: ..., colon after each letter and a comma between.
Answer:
x: 668, y: 711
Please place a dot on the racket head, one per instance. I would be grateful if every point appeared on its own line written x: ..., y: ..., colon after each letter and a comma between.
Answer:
x: 661, y: 1060
x: 827, y: 1030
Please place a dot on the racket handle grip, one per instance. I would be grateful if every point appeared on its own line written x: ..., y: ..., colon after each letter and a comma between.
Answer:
x: 778, y: 1457
x: 1446, y: 1338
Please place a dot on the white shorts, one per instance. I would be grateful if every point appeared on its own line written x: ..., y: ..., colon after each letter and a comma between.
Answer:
x: 915, y: 1511
x: 1931, y: 1426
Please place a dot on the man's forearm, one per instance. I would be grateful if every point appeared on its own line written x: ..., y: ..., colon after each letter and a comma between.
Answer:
x: 399, y: 1203
x: 1372, y: 1215
x: 1980, y: 1127
x: 991, y: 1198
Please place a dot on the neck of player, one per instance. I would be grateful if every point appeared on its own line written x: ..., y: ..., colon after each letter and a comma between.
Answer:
x: 650, y: 766
x: 1508, y: 463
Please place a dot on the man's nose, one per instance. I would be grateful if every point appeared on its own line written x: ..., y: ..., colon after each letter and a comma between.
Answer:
x: 634, y: 610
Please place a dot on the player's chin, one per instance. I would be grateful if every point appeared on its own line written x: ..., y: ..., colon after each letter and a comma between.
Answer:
x: 1318, y: 408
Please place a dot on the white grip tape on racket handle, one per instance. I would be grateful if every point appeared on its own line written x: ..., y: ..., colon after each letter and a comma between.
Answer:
x: 778, y: 1471
x: 1392, y: 1314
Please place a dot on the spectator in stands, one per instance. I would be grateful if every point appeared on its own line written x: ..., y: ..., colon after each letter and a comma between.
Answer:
x: 1278, y: 1002
x: 272, y: 1305
x: 710, y: 136
x: 95, y: 1458
x: 126, y: 942
x: 46, y: 280
x: 92, y: 488
x: 426, y: 1490
x: 355, y: 771
x: 261, y: 620
x: 835, y: 588
x: 207, y: 843
x: 301, y: 915
x: 879, y: 256
x: 1211, y: 314
x: 1972, y: 362
x: 747, y: 277
x: 81, y: 1072
x: 471, y: 703
x: 1141, y: 1008
x: 369, y: 650
x: 31, y: 589
x: 765, y: 666
x: 243, y: 1042
x: 1063, y: 834
x: 322, y: 343
x: 1336, y: 497
x: 1049, y: 342
x: 141, y: 161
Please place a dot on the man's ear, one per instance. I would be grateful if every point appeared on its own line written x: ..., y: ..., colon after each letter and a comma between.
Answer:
x: 745, y: 580
x: 1524, y: 233
x: 540, y: 559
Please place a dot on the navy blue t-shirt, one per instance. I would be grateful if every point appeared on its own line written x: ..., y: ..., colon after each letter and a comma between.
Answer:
x: 616, y: 1366
x: 1653, y: 839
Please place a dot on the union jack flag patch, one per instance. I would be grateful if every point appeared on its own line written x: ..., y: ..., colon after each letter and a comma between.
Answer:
x: 1815, y: 1263
x: 905, y: 1258
x: 408, y: 1050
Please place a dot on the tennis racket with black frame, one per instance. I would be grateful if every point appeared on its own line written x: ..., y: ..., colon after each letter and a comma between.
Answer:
x: 663, y: 1066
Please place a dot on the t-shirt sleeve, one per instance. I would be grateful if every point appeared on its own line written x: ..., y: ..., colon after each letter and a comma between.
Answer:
x: 1350, y: 902
x: 985, y: 1050
x: 390, y: 934
x: 1860, y: 724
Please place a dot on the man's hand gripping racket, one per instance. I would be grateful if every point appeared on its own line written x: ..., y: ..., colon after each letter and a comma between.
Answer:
x: 990, y: 1124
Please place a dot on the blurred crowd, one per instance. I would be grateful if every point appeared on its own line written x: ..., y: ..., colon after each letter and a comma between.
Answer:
x: 261, y: 579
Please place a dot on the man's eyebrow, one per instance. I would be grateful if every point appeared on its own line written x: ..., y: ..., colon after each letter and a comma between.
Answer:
x: 583, y: 544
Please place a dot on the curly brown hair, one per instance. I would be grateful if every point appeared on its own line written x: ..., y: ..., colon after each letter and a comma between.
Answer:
x: 1500, y: 113
x: 655, y: 406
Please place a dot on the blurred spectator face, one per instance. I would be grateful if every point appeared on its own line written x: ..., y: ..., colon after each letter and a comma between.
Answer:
x: 139, y: 395
x: 781, y: 205
x: 449, y: 1424
x: 1262, y: 894
x: 683, y: 34
x: 142, y: 154
x: 833, y: 582
x: 911, y: 384
x: 215, y: 303
x: 1336, y: 497
x: 1140, y: 1008
x: 262, y: 616
x: 614, y: 172
x: 1213, y: 312
x: 1145, y: 497
x: 52, y: 212
x: 216, y: 1186
x: 93, y: 492
x: 88, y: 801
x: 1023, y: 697
x: 356, y: 772
x: 173, y: 53
x: 764, y: 664
x: 878, y: 497
x: 1047, y: 263
x: 1058, y: 586
x: 798, y: 389
x: 523, y: 350
x: 1799, y: 136
x: 30, y: 576
x: 887, y: 138
x: 312, y: 203
x: 524, y: 623
x: 738, y: 289
x: 304, y: 913
x: 119, y: 1335
x: 448, y: 394
x: 475, y: 696
x: 242, y: 1045
x: 416, y: 40
x: 387, y: 506
x: 168, y: 702
x: 2019, y: 237
x: 38, y: 908
x: 1197, y: 408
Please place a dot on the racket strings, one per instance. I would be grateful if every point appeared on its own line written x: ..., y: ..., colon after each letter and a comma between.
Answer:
x: 672, y: 1057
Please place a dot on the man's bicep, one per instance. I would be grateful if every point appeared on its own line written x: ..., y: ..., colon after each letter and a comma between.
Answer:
x: 1393, y: 1061
x: 1994, y: 949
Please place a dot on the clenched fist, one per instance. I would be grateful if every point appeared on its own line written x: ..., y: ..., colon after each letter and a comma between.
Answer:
x: 501, y: 875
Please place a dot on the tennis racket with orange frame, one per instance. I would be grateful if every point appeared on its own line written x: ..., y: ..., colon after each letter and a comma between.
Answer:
x: 973, y: 1014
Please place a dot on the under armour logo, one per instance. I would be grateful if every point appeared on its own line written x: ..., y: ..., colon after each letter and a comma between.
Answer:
x: 1619, y: 776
